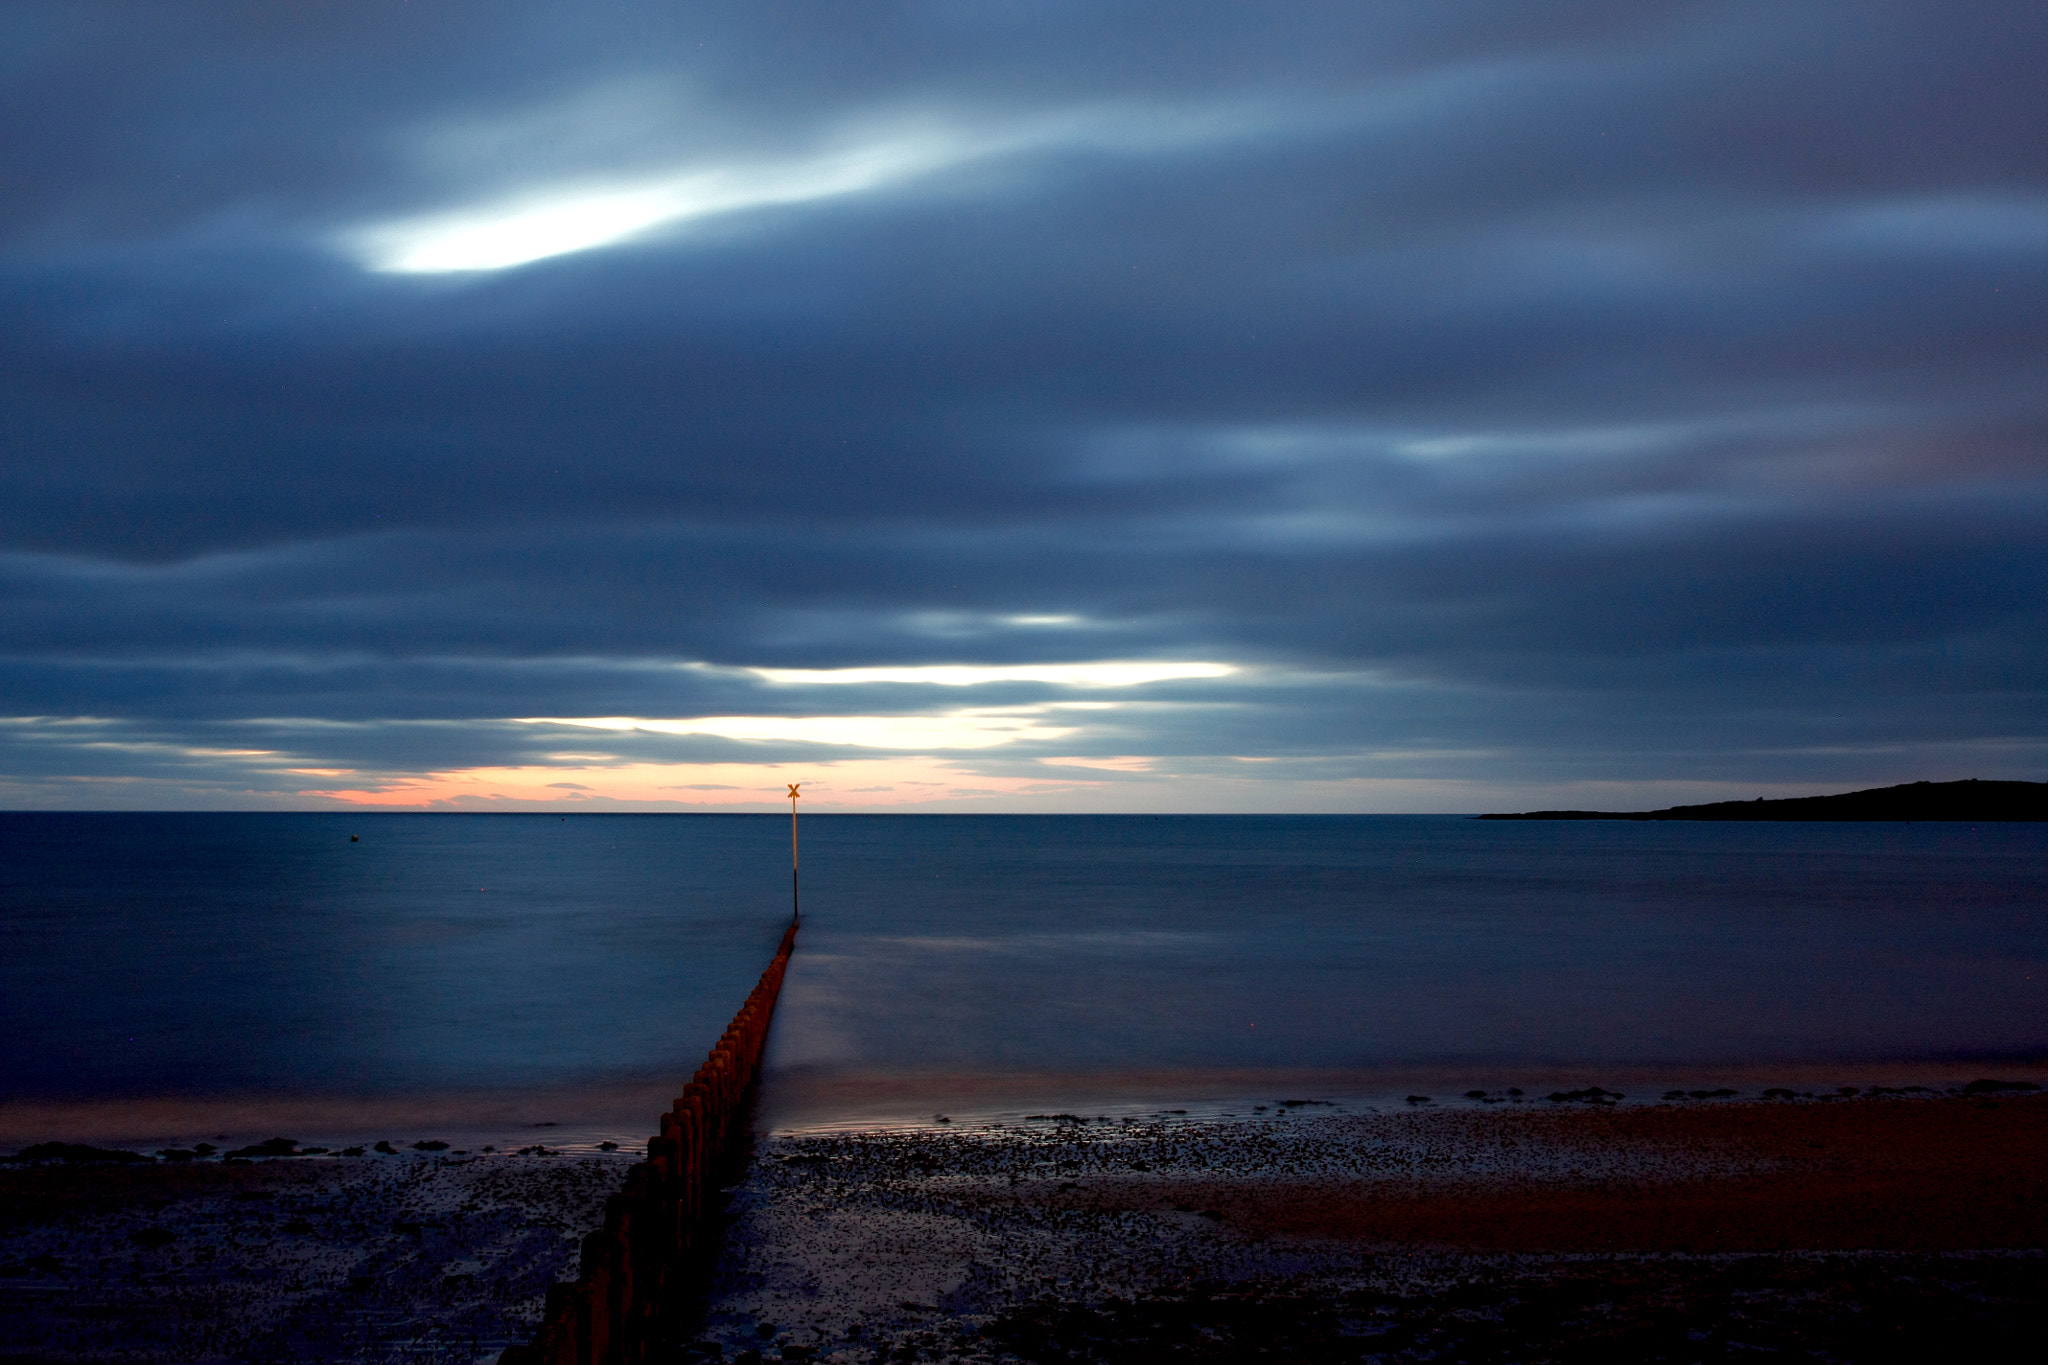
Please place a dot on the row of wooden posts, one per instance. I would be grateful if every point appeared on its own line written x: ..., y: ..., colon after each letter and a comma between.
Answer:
x: 644, y: 1267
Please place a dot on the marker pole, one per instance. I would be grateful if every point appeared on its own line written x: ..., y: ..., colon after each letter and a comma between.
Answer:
x: 796, y: 913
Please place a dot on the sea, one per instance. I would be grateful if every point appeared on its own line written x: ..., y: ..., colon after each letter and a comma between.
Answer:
x: 164, y: 974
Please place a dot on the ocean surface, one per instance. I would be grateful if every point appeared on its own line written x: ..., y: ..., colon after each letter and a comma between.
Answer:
x: 275, y: 955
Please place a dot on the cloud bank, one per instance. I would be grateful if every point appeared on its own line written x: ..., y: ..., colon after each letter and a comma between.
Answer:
x: 984, y: 406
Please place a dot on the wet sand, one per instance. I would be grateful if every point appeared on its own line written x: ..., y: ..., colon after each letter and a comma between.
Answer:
x: 1496, y: 1227
x: 804, y: 1099
x: 1687, y: 1230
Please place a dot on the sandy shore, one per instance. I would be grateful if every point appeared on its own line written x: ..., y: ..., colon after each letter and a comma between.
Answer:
x: 1490, y: 1227
x: 1697, y: 1229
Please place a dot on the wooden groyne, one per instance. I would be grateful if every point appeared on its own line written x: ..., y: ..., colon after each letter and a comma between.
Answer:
x: 660, y: 1231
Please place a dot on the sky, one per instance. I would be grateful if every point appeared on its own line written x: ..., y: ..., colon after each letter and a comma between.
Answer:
x: 977, y: 405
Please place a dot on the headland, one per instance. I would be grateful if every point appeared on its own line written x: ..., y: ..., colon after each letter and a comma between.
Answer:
x: 1968, y: 800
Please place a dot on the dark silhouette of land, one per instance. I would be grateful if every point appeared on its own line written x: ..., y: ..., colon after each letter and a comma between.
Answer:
x: 1966, y: 800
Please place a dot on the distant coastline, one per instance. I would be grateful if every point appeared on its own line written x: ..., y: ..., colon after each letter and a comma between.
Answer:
x: 1970, y: 799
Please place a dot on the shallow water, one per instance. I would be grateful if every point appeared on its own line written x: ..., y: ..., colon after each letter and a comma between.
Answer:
x: 218, y: 953
x: 222, y: 955
x: 1141, y: 943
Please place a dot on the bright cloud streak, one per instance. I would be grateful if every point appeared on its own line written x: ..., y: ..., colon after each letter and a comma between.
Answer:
x: 584, y: 214
x: 579, y: 217
x: 975, y: 729
x: 1102, y: 674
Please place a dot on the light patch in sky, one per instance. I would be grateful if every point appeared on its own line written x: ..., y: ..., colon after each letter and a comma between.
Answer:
x: 557, y: 215
x: 1649, y: 438
x: 147, y: 746
x: 1983, y: 223
x: 846, y: 783
x: 579, y: 216
x: 1120, y: 763
x: 965, y: 729
x: 1104, y: 673
x: 918, y: 780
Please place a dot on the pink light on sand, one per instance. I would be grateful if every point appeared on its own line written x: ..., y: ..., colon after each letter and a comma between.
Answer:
x: 850, y: 783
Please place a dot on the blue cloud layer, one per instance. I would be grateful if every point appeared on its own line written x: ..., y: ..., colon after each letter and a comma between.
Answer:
x: 1612, y: 391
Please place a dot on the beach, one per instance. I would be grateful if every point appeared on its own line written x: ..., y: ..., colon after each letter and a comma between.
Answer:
x: 401, y: 1255
x: 1841, y: 1224
x: 1489, y: 1226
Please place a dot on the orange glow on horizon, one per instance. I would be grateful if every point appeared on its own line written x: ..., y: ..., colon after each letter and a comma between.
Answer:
x: 1120, y: 763
x: 847, y: 783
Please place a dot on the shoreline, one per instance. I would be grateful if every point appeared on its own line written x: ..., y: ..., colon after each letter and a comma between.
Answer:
x: 798, y: 1101
x: 579, y: 1116
x: 805, y: 1099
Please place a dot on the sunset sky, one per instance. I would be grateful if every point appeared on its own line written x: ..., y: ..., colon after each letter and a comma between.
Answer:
x: 978, y: 405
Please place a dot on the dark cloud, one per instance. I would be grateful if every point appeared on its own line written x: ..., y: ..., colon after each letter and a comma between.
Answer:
x: 1592, y: 391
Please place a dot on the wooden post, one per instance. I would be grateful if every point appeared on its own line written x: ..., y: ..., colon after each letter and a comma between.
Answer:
x: 662, y: 1220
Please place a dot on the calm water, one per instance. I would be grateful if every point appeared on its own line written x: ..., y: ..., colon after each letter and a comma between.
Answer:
x: 217, y: 954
